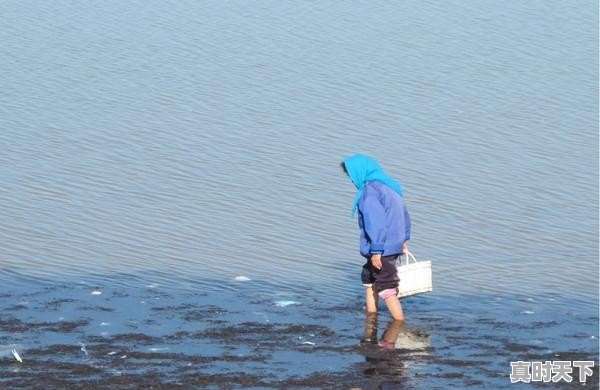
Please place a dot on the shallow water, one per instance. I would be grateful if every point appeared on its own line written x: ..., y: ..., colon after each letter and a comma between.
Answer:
x: 180, y: 336
x: 155, y: 152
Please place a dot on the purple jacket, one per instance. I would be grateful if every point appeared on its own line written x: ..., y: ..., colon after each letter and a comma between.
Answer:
x: 383, y: 220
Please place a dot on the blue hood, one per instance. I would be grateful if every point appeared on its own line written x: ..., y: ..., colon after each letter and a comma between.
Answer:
x: 363, y: 169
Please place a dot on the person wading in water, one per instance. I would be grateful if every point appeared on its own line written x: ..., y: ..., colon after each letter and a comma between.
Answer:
x: 384, y: 225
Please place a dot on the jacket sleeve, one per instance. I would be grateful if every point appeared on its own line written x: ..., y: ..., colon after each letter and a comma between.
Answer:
x: 373, y: 215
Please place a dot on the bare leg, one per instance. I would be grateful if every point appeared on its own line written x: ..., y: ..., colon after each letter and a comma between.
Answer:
x: 388, y: 340
x: 395, y: 308
x: 370, y: 335
x: 371, y: 299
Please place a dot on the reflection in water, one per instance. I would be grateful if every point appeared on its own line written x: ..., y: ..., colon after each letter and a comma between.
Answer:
x: 397, y: 335
x: 386, y: 358
x: 370, y: 334
x: 388, y: 340
x: 412, y: 340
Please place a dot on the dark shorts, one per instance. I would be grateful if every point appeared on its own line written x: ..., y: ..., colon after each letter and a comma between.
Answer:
x: 384, y: 278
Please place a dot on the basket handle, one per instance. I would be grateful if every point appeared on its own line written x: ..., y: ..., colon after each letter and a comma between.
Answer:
x: 410, y: 256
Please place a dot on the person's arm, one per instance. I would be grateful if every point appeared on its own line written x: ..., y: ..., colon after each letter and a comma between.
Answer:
x: 373, y: 215
x: 407, y: 227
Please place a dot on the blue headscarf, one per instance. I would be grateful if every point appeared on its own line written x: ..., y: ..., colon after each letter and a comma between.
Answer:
x: 363, y: 169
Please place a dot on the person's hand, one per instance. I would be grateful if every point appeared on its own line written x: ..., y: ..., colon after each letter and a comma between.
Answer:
x: 405, y: 248
x: 376, y: 260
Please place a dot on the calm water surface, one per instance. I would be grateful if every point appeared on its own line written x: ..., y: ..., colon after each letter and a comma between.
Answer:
x: 186, y: 143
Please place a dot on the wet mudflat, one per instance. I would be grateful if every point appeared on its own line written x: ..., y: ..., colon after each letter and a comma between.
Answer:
x: 139, y: 334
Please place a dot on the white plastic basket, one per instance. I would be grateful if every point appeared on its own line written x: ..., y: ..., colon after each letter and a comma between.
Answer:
x: 415, y: 277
